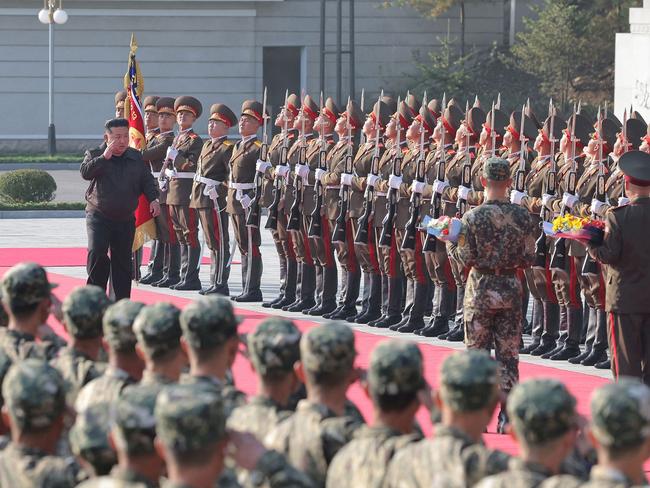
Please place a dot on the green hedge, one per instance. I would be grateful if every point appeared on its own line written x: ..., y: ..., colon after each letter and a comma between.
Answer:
x: 27, y: 185
x: 40, y: 158
x: 43, y: 206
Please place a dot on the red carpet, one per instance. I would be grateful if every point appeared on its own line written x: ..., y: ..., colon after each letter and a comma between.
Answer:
x: 581, y: 385
x: 58, y: 256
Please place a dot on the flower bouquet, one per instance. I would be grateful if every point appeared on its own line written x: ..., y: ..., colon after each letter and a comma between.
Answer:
x: 580, y: 229
x: 444, y: 228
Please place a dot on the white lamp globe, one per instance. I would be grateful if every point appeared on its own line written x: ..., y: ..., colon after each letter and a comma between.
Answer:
x: 44, y: 16
x: 60, y: 16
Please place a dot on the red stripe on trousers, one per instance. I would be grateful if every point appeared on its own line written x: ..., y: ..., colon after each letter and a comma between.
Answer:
x: 349, y: 239
x: 550, y: 289
x: 614, y: 349
x: 170, y: 226
x: 419, y: 259
x: 193, y: 228
x: 216, y: 221
x: 372, y: 250
x: 327, y: 242
x: 291, y: 253
x: 573, y: 282
x: 446, y: 269
x: 308, y: 259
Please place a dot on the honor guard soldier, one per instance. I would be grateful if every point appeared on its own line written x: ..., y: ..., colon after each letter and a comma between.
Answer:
x: 180, y: 168
x: 363, y: 172
x: 240, y: 194
x: 567, y: 256
x: 209, y: 195
x: 165, y: 252
x: 150, y: 117
x: 314, y: 211
x: 272, y: 194
x: 542, y: 179
x: 496, y: 239
x: 120, y: 98
x: 645, y: 143
x: 294, y: 194
x: 626, y: 254
x: 390, y: 263
x: 347, y: 126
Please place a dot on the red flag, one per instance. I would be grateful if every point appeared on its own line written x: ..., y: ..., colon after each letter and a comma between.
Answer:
x: 145, y: 227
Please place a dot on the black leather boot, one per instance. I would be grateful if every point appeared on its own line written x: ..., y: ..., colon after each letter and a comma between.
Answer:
x: 290, y: 285
x: 191, y: 279
x: 171, y: 271
x: 416, y: 316
x: 328, y: 295
x: 373, y: 312
x: 393, y: 308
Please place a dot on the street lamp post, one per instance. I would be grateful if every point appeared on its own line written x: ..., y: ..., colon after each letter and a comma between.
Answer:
x: 51, y: 15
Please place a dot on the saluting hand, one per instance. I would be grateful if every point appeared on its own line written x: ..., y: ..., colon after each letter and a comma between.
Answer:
x: 108, y: 152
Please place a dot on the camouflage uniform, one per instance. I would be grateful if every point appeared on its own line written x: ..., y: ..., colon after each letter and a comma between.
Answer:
x: 177, y: 410
x: 83, y: 310
x: 273, y: 349
x: 207, y: 324
x: 89, y: 439
x: 134, y: 430
x: 118, y: 333
x: 4, y: 318
x: 468, y: 383
x: 540, y: 411
x: 395, y: 369
x: 314, y: 434
x: 23, y: 285
x: 5, y: 363
x: 496, y: 239
x: 34, y: 396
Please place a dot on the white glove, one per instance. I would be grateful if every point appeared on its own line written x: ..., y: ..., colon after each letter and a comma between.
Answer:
x: 623, y: 201
x: 516, y: 197
x: 372, y: 180
x: 598, y: 207
x: 282, y: 170
x: 171, y: 153
x: 439, y: 186
x: 547, y: 200
x: 262, y: 166
x: 346, y: 179
x: 245, y: 201
x: 212, y: 193
x: 162, y: 184
x: 463, y: 192
x: 170, y: 172
x: 302, y: 170
x: 569, y: 200
x: 395, y: 182
x: 418, y: 187
x: 319, y: 174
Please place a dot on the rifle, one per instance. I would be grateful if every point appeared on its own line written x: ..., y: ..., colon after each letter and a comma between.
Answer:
x: 272, y: 221
x: 625, y: 143
x: 466, y: 174
x: 430, y: 239
x: 558, y: 259
x: 386, y: 236
x: 295, y: 214
x: 368, y: 204
x: 590, y: 266
x: 338, y: 234
x: 316, y: 225
x: 541, y: 245
x: 520, y: 176
x: 255, y: 211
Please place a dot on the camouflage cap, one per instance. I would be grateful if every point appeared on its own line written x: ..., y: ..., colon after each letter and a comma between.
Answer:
x: 468, y: 380
x: 541, y: 410
x: 620, y: 413
x: 34, y: 394
x: 134, y: 423
x: 189, y: 418
x: 208, y: 322
x: 328, y: 348
x: 118, y: 324
x: 89, y: 436
x: 25, y: 284
x: 158, y: 328
x: 496, y: 169
x: 274, y: 347
x: 83, y: 310
x: 395, y: 368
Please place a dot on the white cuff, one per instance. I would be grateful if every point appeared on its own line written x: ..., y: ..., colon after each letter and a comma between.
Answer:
x: 463, y: 192
x: 262, y: 166
x: 346, y: 179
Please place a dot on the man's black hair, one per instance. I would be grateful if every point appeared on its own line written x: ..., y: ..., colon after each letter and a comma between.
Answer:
x: 112, y: 123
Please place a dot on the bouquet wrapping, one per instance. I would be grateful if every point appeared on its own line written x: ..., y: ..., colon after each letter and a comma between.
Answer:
x: 569, y: 226
x: 444, y: 228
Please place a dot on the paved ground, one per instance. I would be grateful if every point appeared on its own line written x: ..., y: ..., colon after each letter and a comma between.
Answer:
x: 17, y: 233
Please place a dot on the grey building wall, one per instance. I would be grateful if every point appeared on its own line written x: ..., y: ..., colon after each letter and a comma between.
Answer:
x: 212, y: 49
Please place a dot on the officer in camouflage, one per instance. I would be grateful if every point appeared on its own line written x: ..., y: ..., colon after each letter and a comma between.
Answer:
x: 319, y: 429
x: 496, y: 239
x: 273, y: 349
x: 34, y: 395
x: 83, y: 310
x: 545, y: 422
x: 89, y: 440
x: 124, y: 365
x: 456, y: 456
x: 395, y: 381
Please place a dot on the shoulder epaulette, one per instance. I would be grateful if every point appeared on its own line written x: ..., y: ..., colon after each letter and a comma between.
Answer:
x: 227, y: 142
x: 193, y: 135
x: 258, y: 143
x: 451, y: 151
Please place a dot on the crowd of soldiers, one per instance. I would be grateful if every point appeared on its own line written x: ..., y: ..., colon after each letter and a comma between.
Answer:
x: 346, y: 192
x: 145, y: 396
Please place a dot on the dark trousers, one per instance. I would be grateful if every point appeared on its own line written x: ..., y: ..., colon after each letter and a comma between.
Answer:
x: 117, y: 236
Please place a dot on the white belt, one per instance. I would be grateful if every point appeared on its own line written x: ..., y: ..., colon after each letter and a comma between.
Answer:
x: 333, y: 187
x: 206, y: 181
x: 155, y: 174
x: 179, y: 174
x: 241, y: 186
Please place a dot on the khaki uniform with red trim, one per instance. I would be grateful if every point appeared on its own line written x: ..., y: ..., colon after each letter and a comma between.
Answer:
x: 154, y: 156
x: 298, y: 239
